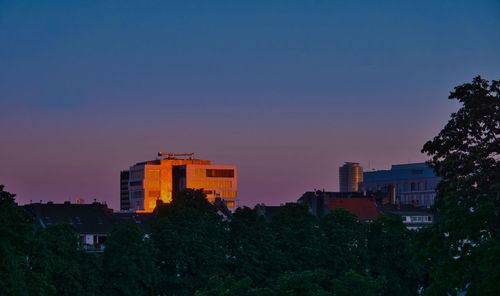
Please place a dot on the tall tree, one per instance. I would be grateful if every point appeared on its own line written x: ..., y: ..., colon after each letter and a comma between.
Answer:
x: 300, y: 238
x: 466, y: 155
x: 254, y: 251
x: 55, y: 258
x: 16, y: 230
x: 391, y: 259
x: 128, y: 263
x: 191, y: 239
x: 346, y: 242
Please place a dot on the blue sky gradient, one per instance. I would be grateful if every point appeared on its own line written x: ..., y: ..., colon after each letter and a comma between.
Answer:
x: 286, y: 90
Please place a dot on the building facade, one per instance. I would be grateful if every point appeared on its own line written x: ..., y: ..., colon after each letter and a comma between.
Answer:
x: 92, y: 222
x: 350, y: 175
x: 159, y: 179
x: 406, y: 184
x: 414, y: 218
x: 124, y: 194
x: 321, y: 203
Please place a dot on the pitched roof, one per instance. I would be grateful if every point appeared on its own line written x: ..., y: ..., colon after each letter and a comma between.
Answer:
x: 363, y: 208
x: 93, y: 218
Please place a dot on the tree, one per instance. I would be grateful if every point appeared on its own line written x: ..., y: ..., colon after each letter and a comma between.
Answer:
x: 465, y: 154
x: 346, y: 242
x: 128, y: 263
x: 232, y: 286
x: 303, y: 283
x: 352, y: 283
x: 16, y: 228
x: 299, y: 237
x: 54, y: 258
x: 91, y: 273
x: 391, y: 257
x: 254, y: 251
x: 191, y: 239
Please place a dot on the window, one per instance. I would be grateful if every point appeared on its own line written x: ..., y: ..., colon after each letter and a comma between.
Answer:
x: 153, y: 174
x: 219, y: 173
x: 139, y: 174
x: 136, y: 183
x: 211, y: 184
x: 136, y: 195
x: 228, y: 194
x: 416, y: 219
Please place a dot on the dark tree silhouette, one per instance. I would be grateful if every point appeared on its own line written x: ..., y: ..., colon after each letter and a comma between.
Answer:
x: 465, y: 155
x: 191, y: 241
x: 128, y: 263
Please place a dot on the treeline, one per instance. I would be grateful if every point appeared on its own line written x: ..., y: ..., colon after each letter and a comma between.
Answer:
x: 193, y: 251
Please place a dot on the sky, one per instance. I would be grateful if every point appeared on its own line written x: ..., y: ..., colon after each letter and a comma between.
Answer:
x: 286, y: 90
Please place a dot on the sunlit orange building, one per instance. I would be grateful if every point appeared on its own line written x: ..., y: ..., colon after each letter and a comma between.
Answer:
x: 159, y: 179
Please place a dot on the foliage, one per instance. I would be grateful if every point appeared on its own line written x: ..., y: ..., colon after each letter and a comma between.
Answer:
x: 299, y: 237
x: 254, y: 250
x: 55, y: 259
x: 128, y: 262
x: 391, y: 257
x: 308, y: 282
x: 191, y: 239
x: 352, y: 283
x: 346, y: 242
x: 465, y: 155
x: 15, y: 236
x: 232, y: 286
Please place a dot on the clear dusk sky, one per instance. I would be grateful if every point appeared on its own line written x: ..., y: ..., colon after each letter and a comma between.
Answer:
x: 286, y: 90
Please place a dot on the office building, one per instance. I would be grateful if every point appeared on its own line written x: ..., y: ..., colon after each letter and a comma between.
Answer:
x: 350, y: 175
x: 405, y: 184
x: 159, y: 179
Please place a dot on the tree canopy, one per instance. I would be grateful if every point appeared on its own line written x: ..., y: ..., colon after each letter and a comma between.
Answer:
x: 465, y: 154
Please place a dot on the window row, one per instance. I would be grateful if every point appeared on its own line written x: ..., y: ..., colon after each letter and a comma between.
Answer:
x: 417, y: 219
x: 211, y: 184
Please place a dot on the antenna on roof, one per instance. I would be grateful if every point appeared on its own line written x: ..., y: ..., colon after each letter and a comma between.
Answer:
x: 169, y: 155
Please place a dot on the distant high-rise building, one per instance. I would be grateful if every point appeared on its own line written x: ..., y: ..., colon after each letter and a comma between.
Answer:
x: 124, y: 193
x: 350, y: 175
x: 406, y: 184
x: 159, y: 179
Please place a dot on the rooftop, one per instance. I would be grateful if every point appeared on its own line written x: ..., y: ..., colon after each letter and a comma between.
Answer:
x: 363, y: 208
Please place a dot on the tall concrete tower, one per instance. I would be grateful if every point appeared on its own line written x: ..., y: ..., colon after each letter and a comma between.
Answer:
x: 350, y: 175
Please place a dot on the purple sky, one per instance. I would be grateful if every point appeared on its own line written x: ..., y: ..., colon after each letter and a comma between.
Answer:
x: 285, y: 90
